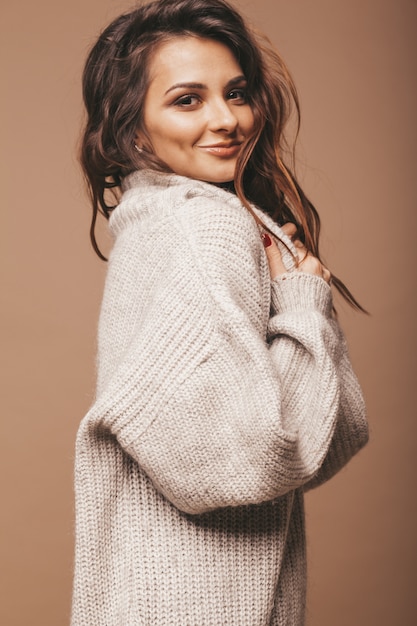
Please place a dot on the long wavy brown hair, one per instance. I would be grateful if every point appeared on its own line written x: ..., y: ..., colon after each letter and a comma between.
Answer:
x: 115, y: 83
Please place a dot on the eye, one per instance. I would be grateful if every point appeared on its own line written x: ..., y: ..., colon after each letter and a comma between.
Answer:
x: 239, y: 95
x: 187, y: 101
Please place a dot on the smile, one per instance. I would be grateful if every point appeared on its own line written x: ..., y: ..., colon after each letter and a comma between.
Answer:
x: 224, y: 150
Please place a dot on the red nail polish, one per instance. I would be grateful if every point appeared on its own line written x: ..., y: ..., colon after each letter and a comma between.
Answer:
x: 266, y: 239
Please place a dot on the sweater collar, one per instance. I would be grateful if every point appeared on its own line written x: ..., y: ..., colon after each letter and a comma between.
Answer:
x: 144, y: 184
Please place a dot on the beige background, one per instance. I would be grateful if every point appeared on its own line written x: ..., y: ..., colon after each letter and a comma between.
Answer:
x: 354, y: 64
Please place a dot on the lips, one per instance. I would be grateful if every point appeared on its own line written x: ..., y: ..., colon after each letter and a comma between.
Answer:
x: 224, y: 149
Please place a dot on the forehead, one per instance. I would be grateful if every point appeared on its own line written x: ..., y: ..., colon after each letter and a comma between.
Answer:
x: 188, y: 58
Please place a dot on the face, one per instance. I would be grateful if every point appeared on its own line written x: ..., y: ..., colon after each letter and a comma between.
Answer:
x: 196, y: 112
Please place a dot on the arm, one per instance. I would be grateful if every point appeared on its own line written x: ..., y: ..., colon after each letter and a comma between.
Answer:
x: 215, y: 415
x: 351, y: 431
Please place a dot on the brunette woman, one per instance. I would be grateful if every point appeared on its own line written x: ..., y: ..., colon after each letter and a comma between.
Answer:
x: 224, y: 386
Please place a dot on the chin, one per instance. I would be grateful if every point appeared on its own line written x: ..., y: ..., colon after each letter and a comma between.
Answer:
x: 220, y: 179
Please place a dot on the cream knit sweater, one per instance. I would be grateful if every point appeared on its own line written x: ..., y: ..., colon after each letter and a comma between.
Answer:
x: 221, y: 397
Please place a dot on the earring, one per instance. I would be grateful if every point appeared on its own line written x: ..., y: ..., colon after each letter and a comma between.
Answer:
x: 137, y: 148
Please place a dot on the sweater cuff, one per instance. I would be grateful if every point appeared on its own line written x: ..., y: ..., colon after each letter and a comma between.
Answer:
x: 301, y: 292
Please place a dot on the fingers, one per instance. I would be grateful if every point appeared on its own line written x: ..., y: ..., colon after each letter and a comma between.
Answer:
x: 301, y: 251
x: 276, y: 266
x: 311, y: 265
x: 327, y: 275
x: 289, y: 229
x: 306, y: 262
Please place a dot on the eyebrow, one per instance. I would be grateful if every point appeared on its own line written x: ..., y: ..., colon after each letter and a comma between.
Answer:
x: 231, y: 83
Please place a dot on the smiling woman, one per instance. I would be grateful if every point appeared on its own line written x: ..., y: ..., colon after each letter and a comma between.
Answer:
x: 196, y: 113
x: 224, y: 387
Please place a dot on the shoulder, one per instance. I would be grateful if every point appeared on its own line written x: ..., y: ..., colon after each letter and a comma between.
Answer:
x: 173, y: 212
x: 172, y: 229
x: 154, y: 202
x: 152, y: 198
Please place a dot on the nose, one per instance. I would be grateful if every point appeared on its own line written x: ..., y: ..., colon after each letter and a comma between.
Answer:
x: 221, y: 117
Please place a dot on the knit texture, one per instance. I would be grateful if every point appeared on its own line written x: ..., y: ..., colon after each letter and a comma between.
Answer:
x: 221, y: 396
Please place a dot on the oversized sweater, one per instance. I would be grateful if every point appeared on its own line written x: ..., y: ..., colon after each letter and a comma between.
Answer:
x: 221, y: 397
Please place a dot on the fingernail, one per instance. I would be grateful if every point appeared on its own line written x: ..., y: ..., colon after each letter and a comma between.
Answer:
x: 266, y: 240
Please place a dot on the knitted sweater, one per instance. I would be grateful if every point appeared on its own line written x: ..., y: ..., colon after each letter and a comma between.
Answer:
x: 221, y: 397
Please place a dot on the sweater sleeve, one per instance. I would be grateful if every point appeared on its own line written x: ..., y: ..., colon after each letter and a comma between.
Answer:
x: 218, y: 403
x: 350, y: 432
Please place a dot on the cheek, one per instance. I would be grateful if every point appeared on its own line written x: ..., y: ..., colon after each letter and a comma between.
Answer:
x: 249, y: 120
x: 179, y: 131
x: 185, y: 128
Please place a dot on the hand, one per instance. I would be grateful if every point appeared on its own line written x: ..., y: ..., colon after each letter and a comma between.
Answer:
x: 306, y: 262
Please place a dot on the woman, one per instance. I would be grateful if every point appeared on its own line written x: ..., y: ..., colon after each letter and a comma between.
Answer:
x: 224, y: 387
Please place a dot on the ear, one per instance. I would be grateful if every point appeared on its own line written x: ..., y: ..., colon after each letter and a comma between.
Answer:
x: 141, y: 142
x: 139, y: 138
x: 138, y: 141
